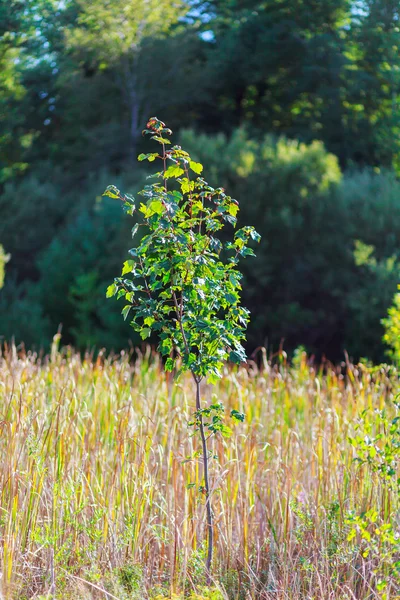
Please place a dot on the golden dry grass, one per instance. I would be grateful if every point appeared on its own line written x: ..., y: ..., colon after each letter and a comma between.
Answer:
x: 94, y: 476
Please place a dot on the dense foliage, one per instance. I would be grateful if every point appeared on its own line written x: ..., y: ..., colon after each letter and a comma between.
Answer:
x: 298, y: 98
x: 181, y: 281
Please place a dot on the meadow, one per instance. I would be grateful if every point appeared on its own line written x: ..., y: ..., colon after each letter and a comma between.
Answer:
x: 97, y: 462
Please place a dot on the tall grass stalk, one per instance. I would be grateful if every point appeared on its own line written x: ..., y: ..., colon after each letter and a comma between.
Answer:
x: 94, y: 478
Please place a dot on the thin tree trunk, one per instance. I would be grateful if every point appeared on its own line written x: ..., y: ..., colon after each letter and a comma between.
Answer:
x: 210, y: 536
x: 128, y: 82
x: 134, y: 127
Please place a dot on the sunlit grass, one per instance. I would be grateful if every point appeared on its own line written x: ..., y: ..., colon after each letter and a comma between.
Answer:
x: 94, y: 480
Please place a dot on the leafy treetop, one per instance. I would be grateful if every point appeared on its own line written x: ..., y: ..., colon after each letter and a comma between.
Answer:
x: 182, y: 281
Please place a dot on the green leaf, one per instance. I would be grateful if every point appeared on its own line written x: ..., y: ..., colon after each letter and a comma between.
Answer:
x: 226, y: 431
x: 173, y: 171
x: 189, y: 359
x: 160, y: 139
x: 238, y: 416
x: 381, y: 585
x: 150, y: 157
x: 165, y: 346
x: 213, y: 377
x: 125, y: 311
x: 112, y: 192
x: 254, y: 235
x: 187, y: 186
x: 196, y: 167
x: 130, y: 199
x: 145, y: 333
x: 129, y: 208
x: 231, y: 298
x: 128, y: 267
x: 169, y: 364
x: 236, y: 357
x: 156, y: 207
x: 233, y: 209
x: 247, y: 252
x: 134, y: 229
x: 201, y: 324
x: 111, y: 290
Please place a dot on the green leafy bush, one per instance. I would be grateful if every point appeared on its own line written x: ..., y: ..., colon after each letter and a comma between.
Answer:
x: 376, y: 442
x: 391, y: 325
x: 374, y: 285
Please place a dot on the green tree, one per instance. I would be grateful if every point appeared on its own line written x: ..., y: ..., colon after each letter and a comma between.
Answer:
x: 13, y: 140
x: 76, y: 266
x: 112, y: 35
x: 181, y: 286
x: 279, y: 65
x: 369, y: 300
x: 28, y: 31
x: 33, y: 210
x: 391, y: 326
x: 372, y: 118
x: 311, y: 70
x: 21, y: 316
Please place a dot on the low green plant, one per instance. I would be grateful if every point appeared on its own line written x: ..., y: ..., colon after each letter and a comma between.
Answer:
x: 182, y: 282
x: 377, y: 445
x: 130, y: 578
x: 391, y: 325
x: 379, y: 542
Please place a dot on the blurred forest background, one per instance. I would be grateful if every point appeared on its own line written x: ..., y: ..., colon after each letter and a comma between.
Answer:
x: 291, y: 105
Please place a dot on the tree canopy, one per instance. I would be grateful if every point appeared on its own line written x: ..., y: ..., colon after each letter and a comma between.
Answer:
x: 299, y: 98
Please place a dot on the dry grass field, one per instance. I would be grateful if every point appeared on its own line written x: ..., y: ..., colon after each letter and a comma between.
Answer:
x: 96, y: 459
